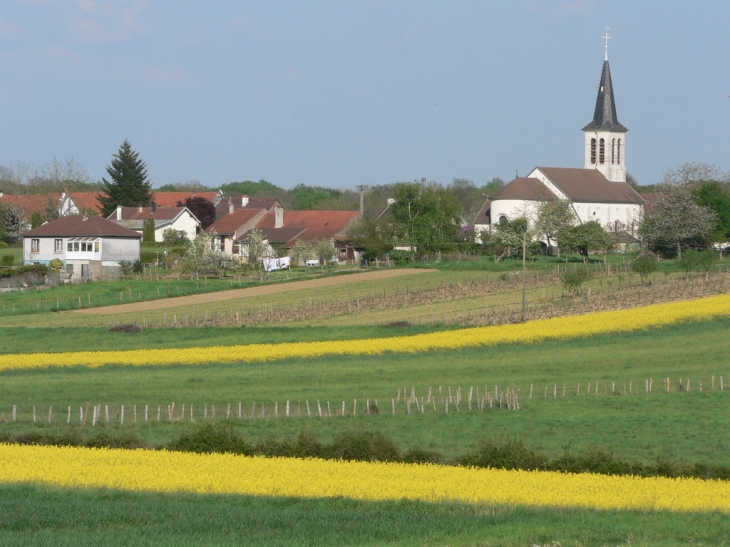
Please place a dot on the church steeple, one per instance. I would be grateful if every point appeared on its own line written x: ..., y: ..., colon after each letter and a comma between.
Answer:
x: 605, y: 137
x: 604, y: 116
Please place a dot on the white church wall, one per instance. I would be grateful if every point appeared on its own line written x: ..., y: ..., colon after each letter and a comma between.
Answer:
x: 609, y: 213
x: 512, y: 209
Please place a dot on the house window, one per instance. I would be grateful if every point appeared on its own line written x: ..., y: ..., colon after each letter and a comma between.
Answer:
x: 593, y: 151
x: 602, y: 151
x: 69, y: 246
x: 76, y: 246
x: 58, y: 245
x: 619, y: 152
x: 35, y: 245
x: 96, y: 246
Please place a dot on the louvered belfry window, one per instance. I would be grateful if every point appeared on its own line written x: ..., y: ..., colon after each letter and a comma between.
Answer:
x: 593, y: 151
x: 602, y: 151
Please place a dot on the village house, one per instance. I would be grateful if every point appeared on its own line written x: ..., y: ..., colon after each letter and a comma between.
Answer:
x: 231, y: 226
x: 282, y: 229
x: 180, y: 219
x: 90, y: 247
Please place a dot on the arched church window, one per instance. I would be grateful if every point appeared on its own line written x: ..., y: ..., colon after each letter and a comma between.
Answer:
x: 502, y: 220
x: 602, y: 151
x: 613, y: 151
x: 593, y: 151
x: 619, y: 152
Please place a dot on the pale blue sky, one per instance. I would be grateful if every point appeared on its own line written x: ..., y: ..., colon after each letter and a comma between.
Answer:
x: 339, y: 93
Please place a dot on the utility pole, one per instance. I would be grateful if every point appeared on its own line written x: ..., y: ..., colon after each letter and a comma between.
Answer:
x: 524, y: 272
x: 362, y: 187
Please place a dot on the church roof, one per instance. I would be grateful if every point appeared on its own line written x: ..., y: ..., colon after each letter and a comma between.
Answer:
x: 484, y: 214
x: 589, y: 185
x: 604, y: 117
x: 525, y: 188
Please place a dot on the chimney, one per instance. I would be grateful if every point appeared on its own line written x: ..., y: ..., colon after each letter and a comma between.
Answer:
x: 1, y: 195
x: 278, y: 216
x: 139, y: 208
x: 230, y: 206
x: 119, y: 212
x: 154, y: 207
x: 244, y: 200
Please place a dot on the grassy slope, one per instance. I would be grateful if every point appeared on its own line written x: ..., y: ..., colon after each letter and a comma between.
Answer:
x: 676, y: 425
x: 54, y: 339
x: 43, y: 516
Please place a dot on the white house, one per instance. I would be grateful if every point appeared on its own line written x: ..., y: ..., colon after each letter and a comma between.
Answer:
x: 89, y: 247
x: 597, y: 192
x: 175, y: 218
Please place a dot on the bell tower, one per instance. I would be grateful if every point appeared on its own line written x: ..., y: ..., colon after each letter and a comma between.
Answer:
x: 605, y: 137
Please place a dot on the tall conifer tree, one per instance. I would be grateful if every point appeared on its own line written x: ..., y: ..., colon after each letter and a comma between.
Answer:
x: 128, y: 186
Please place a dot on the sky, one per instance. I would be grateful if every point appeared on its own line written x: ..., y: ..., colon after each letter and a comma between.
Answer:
x: 340, y: 93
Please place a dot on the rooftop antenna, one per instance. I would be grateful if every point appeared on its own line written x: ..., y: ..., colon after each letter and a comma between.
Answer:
x: 607, y: 38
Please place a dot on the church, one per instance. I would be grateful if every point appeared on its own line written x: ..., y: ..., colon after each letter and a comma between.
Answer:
x: 596, y: 192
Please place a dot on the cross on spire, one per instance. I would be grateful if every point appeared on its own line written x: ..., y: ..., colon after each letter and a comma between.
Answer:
x: 607, y: 38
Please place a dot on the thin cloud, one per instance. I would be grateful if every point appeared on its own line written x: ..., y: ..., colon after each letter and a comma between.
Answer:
x: 9, y: 31
x: 110, y: 21
x: 562, y: 9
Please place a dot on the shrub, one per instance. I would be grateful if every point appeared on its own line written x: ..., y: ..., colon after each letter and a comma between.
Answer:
x: 707, y: 259
x: 364, y: 446
x: 55, y: 265
x: 7, y: 260
x: 3, y: 245
x: 211, y: 437
x: 573, y: 280
x: 400, y: 258
x: 505, y: 454
x: 688, y: 261
x: 41, y: 269
x: 644, y: 266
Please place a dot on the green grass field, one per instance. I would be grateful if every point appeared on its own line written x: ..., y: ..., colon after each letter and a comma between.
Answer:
x: 46, y: 516
x: 679, y: 426
x: 641, y: 426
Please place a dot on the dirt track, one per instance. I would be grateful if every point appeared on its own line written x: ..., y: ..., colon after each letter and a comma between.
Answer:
x: 252, y: 291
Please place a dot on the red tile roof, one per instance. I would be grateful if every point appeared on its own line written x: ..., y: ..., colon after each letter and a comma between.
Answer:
x: 230, y: 223
x: 170, y: 199
x: 35, y: 203
x: 81, y: 226
x: 316, y: 224
x: 141, y: 213
x: 86, y: 202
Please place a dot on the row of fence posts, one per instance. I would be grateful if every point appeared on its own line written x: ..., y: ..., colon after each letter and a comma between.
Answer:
x: 476, y: 399
x: 593, y: 388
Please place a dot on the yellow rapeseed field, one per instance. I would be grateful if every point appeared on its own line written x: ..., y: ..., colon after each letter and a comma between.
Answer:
x: 531, y: 332
x: 161, y: 471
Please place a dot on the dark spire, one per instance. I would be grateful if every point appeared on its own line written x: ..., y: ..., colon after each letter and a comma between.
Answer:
x: 604, y: 117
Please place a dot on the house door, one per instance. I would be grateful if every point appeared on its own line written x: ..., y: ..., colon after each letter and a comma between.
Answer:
x: 85, y: 271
